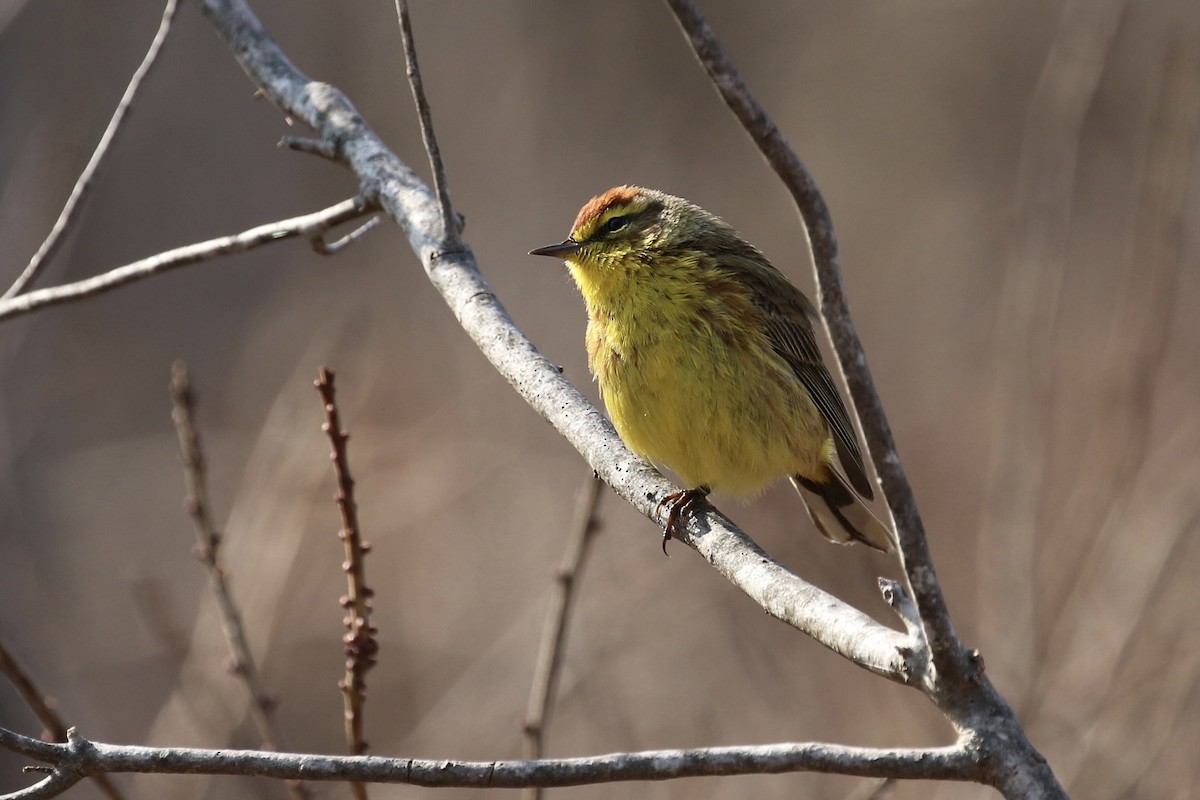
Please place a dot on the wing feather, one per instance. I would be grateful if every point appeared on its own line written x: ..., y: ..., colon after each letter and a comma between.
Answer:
x: 789, y: 323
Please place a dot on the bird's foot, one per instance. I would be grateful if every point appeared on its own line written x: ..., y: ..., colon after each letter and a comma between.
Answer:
x: 679, y: 502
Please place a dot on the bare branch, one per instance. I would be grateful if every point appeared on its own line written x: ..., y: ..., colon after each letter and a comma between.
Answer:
x: 84, y: 182
x: 312, y: 226
x: 450, y: 224
x: 554, y: 635
x: 54, y: 784
x: 81, y: 756
x: 40, y: 705
x: 361, y: 646
x: 402, y: 195
x: 208, y: 543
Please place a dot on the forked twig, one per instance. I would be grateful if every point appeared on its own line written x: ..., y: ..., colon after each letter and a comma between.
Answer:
x: 84, y: 183
x: 41, y: 706
x: 361, y: 645
x: 558, y: 616
x: 207, y: 550
x: 312, y: 226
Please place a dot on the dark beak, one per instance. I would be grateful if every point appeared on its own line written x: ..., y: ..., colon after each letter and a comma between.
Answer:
x: 560, y: 250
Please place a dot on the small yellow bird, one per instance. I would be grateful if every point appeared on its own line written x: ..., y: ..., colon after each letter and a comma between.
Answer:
x: 708, y: 362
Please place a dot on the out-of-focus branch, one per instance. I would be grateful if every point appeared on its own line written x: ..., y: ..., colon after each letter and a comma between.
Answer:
x: 312, y: 226
x: 1123, y: 457
x: 361, y: 646
x: 80, y: 757
x: 387, y: 180
x: 40, y: 705
x: 84, y: 182
x: 1010, y: 531
x: 1141, y: 324
x: 954, y: 678
x: 875, y: 790
x: 558, y: 616
x: 207, y: 550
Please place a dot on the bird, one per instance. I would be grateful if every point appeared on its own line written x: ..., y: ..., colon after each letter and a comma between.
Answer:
x: 707, y: 361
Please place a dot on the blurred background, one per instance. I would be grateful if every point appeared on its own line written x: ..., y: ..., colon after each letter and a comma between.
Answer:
x: 1013, y: 185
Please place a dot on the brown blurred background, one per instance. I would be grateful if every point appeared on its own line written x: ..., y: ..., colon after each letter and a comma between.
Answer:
x: 1025, y: 285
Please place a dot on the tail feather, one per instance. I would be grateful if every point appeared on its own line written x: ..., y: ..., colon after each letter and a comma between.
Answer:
x: 841, y: 515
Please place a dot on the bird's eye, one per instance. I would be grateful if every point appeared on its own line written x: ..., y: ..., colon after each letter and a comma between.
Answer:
x: 615, y: 224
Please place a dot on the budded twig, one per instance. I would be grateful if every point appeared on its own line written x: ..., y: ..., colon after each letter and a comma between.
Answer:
x: 361, y: 646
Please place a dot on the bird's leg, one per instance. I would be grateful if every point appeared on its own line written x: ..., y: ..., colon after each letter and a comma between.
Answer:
x: 679, y: 502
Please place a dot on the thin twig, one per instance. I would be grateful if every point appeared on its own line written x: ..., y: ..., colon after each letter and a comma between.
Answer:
x: 313, y: 226
x: 80, y: 756
x: 43, y: 707
x: 361, y: 646
x: 207, y: 550
x: 558, y: 616
x: 314, y: 147
x: 874, y: 790
x: 333, y: 248
x: 86, y: 178
x: 450, y: 224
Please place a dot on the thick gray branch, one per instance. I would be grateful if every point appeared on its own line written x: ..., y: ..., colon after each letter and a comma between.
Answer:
x: 402, y: 195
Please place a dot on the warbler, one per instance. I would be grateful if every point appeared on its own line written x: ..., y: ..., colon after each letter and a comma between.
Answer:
x: 707, y: 360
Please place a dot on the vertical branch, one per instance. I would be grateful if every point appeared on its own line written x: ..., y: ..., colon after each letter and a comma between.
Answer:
x: 207, y: 550
x: 1079, y: 674
x: 1010, y: 531
x: 361, y: 646
x: 84, y: 183
x: 43, y: 708
x: 450, y: 226
x: 558, y: 616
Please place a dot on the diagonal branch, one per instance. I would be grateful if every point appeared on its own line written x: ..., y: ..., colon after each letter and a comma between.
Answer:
x: 207, y: 550
x: 397, y: 189
x: 449, y: 223
x: 313, y: 226
x: 84, y: 183
x: 554, y: 634
x: 56, y: 729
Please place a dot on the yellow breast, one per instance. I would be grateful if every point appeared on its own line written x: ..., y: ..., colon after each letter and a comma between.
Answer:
x: 690, y: 382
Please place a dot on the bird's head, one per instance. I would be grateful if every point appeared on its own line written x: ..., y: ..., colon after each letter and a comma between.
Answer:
x: 627, y: 226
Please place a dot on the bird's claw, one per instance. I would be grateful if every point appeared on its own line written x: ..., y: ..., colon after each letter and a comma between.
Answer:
x: 679, y: 502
